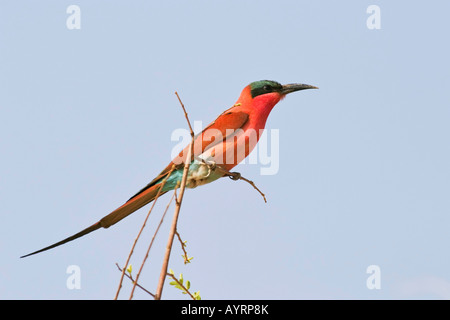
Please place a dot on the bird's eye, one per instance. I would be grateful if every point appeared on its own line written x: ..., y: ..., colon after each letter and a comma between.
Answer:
x: 267, y: 88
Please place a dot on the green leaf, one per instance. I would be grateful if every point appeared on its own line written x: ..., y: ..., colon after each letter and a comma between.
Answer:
x: 129, y: 269
x: 181, y: 278
x: 188, y: 284
x: 173, y: 283
x: 171, y: 271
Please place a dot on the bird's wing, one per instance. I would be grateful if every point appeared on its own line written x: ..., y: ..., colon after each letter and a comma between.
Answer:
x: 227, y: 120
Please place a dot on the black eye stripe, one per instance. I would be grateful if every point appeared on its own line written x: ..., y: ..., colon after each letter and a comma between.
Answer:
x: 263, y: 87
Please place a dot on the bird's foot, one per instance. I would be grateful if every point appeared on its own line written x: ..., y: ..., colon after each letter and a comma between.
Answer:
x: 234, y: 176
x: 211, y: 165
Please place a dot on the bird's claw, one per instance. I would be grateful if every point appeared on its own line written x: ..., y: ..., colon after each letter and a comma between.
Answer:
x: 235, y: 176
x: 211, y: 165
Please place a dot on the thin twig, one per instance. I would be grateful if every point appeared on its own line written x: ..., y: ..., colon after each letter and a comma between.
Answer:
x: 181, y: 285
x: 150, y: 246
x: 240, y: 177
x: 185, y: 114
x: 140, y: 231
x: 137, y: 284
x: 173, y: 228
x: 183, y: 245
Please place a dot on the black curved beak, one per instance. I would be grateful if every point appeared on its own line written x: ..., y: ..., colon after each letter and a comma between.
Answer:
x: 288, y: 88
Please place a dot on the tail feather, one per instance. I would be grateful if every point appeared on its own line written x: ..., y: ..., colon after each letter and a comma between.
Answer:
x: 131, y: 206
x: 75, y: 236
x: 135, y: 203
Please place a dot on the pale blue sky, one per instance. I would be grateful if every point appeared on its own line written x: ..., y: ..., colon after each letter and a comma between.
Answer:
x: 364, y: 178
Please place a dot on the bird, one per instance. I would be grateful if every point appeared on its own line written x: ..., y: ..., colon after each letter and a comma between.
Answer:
x: 224, y: 143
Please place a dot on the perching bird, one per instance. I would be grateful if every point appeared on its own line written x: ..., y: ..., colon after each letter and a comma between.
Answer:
x: 225, y: 142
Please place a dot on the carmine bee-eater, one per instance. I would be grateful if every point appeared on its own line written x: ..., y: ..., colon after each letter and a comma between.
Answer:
x: 225, y: 142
